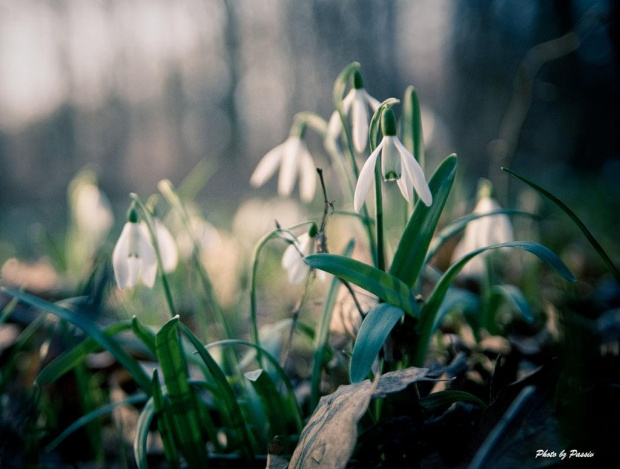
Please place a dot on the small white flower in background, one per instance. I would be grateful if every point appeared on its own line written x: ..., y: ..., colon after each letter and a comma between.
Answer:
x: 90, y: 208
x: 134, y: 257
x: 397, y: 164
x: 294, y: 159
x: 202, y: 232
x: 167, y: 246
x: 293, y: 258
x: 483, y: 232
x: 356, y: 104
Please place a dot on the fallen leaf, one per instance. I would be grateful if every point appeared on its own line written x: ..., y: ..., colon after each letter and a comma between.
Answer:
x: 329, y: 437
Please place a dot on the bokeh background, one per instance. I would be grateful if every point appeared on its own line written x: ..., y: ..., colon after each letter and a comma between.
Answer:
x: 141, y: 90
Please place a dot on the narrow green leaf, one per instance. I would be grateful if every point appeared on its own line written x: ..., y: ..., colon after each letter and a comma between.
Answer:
x: 197, y: 178
x: 455, y: 298
x: 291, y: 400
x: 414, y: 243
x: 413, y: 138
x: 515, y: 299
x: 375, y: 329
x: 92, y: 330
x: 95, y: 414
x: 387, y: 287
x: 446, y: 398
x: 272, y: 401
x: 322, y: 334
x: 590, y: 237
x: 142, y: 433
x: 431, y: 307
x: 164, y: 423
x: 341, y: 83
x: 74, y: 356
x: 237, y: 422
x: 460, y: 224
x: 182, y: 398
x: 7, y: 310
x: 147, y: 336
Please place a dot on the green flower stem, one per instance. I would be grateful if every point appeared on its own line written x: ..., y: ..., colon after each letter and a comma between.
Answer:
x: 146, y: 216
x: 253, y: 303
x: 167, y: 190
x: 351, y: 152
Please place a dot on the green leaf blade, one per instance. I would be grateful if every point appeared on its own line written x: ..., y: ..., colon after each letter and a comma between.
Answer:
x: 387, y: 287
x: 375, y: 329
x: 411, y: 252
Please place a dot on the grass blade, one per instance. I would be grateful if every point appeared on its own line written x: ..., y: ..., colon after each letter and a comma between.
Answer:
x: 182, y: 398
x: 387, y: 287
x: 95, y: 414
x: 375, y: 329
x: 590, y: 237
x: 272, y: 401
x: 446, y: 398
x: 431, y: 307
x: 142, y: 433
x: 93, y: 331
x: 164, y: 423
x: 459, y: 224
x: 237, y: 422
x: 414, y: 243
x: 74, y: 356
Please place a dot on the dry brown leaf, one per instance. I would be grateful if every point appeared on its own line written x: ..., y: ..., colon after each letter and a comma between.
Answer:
x: 329, y: 437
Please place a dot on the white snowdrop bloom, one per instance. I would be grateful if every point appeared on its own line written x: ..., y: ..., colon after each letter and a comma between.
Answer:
x: 90, y: 208
x: 293, y: 258
x: 294, y: 160
x: 483, y: 232
x: 167, y: 246
x: 134, y: 257
x: 397, y: 164
x: 355, y: 104
x: 200, y: 231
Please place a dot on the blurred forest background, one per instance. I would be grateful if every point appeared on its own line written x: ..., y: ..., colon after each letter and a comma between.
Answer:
x: 141, y: 90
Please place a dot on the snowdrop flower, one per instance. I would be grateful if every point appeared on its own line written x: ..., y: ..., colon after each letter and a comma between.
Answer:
x: 356, y: 104
x: 166, y: 244
x: 90, y: 208
x: 293, y: 258
x: 397, y: 164
x: 133, y: 257
x: 483, y: 232
x: 293, y: 158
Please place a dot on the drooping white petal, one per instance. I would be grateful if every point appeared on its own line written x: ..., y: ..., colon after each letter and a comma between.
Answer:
x: 405, y: 184
x: 348, y: 101
x: 374, y: 104
x: 293, y: 260
x: 416, y: 173
x: 146, y: 254
x: 307, y: 174
x: 134, y: 266
x: 120, y: 256
x: 334, y: 127
x: 286, y: 180
x: 267, y: 166
x: 359, y: 122
x: 167, y: 246
x: 366, y: 177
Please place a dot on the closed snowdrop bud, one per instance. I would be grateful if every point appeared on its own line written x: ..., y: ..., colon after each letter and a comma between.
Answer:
x: 133, y: 257
x: 356, y: 105
x: 483, y: 232
x: 397, y: 164
x: 293, y: 258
